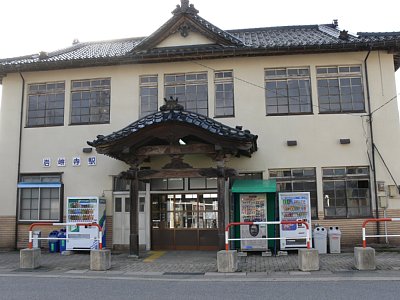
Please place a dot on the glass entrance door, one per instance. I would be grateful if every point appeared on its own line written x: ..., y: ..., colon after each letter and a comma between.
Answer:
x: 184, y: 221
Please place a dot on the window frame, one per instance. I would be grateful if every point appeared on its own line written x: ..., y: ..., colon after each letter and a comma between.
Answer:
x: 147, y: 85
x: 339, y: 76
x: 185, y: 81
x: 46, y: 92
x: 92, y: 88
x: 346, y: 177
x: 283, y: 74
x: 223, y: 81
x: 40, y: 185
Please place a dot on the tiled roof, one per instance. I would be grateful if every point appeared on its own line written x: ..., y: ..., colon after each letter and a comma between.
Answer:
x: 79, y: 51
x: 176, y: 115
x: 253, y: 41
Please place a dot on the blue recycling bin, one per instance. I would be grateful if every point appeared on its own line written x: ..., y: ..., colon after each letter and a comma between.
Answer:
x: 54, y: 245
x: 63, y: 243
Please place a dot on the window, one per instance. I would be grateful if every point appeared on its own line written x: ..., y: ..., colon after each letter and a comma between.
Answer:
x: 202, y: 183
x: 122, y: 184
x: 224, y: 94
x: 46, y: 104
x: 162, y: 184
x: 297, y: 180
x: 90, y: 101
x: 340, y: 89
x: 148, y: 95
x: 346, y: 192
x: 40, y: 198
x: 288, y: 91
x: 190, y: 89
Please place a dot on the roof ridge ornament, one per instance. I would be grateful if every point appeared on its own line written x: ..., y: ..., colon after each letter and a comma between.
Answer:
x: 171, y: 104
x: 185, y: 8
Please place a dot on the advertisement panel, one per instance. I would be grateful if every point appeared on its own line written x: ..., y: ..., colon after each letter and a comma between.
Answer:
x: 253, y: 208
x: 294, y: 207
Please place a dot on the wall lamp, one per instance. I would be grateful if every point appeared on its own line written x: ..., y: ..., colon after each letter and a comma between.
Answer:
x: 87, y: 150
x: 345, y: 141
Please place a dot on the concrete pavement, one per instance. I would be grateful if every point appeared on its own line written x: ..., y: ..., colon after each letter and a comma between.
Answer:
x: 201, y: 264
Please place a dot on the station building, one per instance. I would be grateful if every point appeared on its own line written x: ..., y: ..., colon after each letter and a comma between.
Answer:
x: 163, y: 126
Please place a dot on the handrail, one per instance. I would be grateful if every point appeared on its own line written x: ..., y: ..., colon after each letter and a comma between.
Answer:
x: 227, y: 239
x: 31, y: 238
x: 364, y: 236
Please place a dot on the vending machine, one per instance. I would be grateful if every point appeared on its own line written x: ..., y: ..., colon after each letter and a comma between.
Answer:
x: 294, y: 207
x: 85, y: 210
x: 253, y: 208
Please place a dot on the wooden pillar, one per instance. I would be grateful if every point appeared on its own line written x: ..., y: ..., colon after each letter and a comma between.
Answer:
x: 221, y: 208
x: 134, y: 214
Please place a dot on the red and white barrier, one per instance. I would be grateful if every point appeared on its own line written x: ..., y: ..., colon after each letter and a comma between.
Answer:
x: 227, y: 239
x: 364, y: 236
x: 31, y: 238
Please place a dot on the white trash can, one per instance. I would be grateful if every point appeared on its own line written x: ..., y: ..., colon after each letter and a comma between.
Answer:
x: 35, y: 242
x: 334, y: 237
x: 320, y: 239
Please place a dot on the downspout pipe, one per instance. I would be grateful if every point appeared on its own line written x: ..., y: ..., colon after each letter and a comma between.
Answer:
x: 21, y: 123
x: 372, y: 141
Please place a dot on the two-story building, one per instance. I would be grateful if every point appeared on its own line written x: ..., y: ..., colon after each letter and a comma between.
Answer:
x: 310, y: 106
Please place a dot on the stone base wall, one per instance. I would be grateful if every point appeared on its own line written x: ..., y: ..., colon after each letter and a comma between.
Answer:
x: 352, y: 233
x: 23, y: 234
x: 7, y: 232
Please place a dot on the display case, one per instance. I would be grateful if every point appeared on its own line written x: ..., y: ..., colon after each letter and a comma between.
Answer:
x: 85, y: 210
x: 294, y: 207
x: 253, y: 208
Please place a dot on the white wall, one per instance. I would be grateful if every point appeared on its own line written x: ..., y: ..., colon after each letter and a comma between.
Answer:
x: 317, y: 135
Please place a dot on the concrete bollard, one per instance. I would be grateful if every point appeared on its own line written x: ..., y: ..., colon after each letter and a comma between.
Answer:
x: 100, y: 260
x: 364, y: 258
x: 308, y: 260
x: 29, y: 258
x: 227, y: 261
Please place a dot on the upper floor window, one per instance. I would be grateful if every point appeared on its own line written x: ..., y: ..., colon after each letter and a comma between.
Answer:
x: 288, y: 91
x: 40, y: 197
x: 224, y: 94
x: 148, y: 94
x: 90, y: 101
x: 340, y: 89
x: 190, y: 89
x: 346, y: 192
x: 46, y: 104
x: 297, y: 180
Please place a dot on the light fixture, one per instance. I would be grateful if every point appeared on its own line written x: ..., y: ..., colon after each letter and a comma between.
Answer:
x: 87, y: 150
x: 182, y: 142
x: 345, y: 141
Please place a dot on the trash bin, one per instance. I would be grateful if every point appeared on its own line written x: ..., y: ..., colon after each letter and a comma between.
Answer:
x: 63, y: 243
x: 35, y: 242
x: 54, y: 245
x: 334, y: 236
x: 320, y: 239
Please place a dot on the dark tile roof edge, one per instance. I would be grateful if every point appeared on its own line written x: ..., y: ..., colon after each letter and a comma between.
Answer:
x: 393, y: 33
x: 72, y: 48
x: 315, y: 26
x: 180, y: 116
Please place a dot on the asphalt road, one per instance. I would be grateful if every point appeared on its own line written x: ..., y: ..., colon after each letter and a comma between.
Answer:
x: 43, y: 288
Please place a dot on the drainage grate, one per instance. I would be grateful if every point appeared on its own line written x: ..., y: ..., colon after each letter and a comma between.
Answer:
x: 183, y: 273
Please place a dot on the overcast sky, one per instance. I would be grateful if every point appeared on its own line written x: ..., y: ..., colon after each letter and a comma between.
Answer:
x: 30, y: 26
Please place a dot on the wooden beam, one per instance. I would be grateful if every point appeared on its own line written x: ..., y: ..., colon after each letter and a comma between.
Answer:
x: 175, y: 173
x: 175, y: 149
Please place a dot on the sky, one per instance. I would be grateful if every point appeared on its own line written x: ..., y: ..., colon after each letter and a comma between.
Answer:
x: 31, y: 26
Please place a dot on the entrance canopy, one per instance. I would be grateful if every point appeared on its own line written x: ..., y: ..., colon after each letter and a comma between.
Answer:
x: 254, y: 186
x: 175, y: 131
